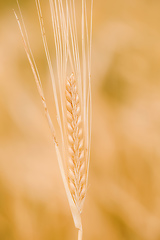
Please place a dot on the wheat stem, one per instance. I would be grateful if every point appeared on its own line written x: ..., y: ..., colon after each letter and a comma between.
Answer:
x: 80, y: 234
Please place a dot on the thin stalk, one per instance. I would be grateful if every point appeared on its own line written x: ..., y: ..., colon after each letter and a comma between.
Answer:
x: 80, y: 234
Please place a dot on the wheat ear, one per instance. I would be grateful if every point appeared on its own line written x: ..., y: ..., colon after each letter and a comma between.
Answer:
x: 75, y: 96
x: 76, y: 164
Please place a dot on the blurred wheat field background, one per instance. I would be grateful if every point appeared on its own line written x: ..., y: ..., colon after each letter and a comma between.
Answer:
x: 123, y: 200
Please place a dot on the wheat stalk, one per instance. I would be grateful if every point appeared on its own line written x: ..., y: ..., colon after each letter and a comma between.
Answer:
x: 73, y: 111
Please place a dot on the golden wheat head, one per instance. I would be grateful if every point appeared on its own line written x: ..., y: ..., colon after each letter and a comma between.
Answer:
x: 73, y: 110
x: 77, y: 162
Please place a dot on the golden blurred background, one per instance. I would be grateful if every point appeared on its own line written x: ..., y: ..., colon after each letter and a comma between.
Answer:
x: 123, y: 201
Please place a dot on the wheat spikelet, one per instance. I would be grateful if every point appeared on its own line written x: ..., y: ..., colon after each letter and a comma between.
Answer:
x: 76, y: 165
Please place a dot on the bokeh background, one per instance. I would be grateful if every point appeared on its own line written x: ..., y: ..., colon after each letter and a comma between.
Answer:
x: 123, y: 201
